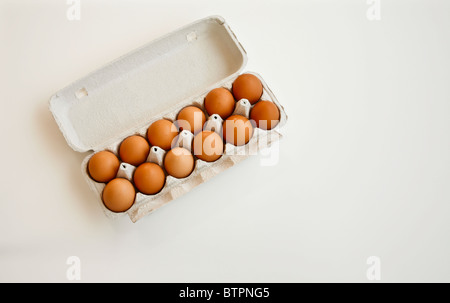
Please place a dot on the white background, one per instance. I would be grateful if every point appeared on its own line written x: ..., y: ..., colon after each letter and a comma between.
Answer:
x: 363, y: 169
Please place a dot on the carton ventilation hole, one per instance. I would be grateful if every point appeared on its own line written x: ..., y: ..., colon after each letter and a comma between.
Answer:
x: 81, y: 93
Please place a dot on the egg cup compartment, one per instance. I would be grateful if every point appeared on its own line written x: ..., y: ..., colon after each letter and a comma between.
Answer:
x: 156, y: 81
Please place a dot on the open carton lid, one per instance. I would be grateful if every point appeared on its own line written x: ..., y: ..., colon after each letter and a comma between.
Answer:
x: 107, y: 104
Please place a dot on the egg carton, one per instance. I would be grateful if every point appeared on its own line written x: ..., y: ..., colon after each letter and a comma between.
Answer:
x: 155, y: 82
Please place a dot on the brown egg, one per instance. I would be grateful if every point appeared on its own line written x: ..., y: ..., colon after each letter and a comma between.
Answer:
x: 265, y: 114
x: 220, y: 101
x: 134, y: 150
x: 191, y: 118
x: 237, y: 130
x: 208, y: 146
x: 149, y: 178
x: 247, y: 86
x: 179, y: 162
x: 161, y: 133
x: 103, y: 166
x: 119, y: 195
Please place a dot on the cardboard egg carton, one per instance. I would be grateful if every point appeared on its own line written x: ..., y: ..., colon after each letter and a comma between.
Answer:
x: 155, y: 82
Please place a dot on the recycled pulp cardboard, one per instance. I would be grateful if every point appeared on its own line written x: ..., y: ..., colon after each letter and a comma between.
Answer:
x: 156, y: 81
